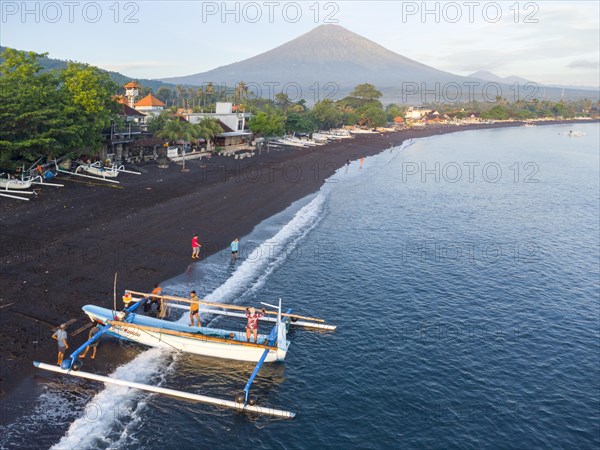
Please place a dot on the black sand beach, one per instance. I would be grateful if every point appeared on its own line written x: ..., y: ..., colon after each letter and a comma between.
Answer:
x: 61, y: 250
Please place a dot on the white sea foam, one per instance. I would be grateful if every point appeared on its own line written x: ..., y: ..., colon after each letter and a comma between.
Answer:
x: 260, y: 263
x: 114, y: 403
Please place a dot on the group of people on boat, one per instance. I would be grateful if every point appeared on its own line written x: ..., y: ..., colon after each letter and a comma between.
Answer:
x: 251, y: 315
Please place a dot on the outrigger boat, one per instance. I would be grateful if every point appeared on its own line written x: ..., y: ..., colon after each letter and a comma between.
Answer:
x: 98, y: 169
x: 132, y: 326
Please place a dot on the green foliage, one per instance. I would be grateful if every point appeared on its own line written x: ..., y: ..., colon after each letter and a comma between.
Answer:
x: 173, y: 129
x: 519, y: 110
x: 498, y: 112
x: 159, y: 122
x: 208, y: 128
x: 366, y: 91
x: 371, y: 115
x: 282, y: 101
x: 393, y: 111
x: 45, y: 114
x: 301, y: 122
x: 326, y: 115
x: 164, y: 94
x: 267, y: 123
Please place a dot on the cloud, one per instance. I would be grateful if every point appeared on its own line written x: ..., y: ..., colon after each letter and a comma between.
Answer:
x: 583, y: 64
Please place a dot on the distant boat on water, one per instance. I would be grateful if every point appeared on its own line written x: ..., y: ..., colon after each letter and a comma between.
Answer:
x: 574, y: 133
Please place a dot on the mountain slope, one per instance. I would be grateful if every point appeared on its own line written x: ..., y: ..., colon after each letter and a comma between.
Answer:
x: 489, y: 76
x: 328, y: 53
x: 119, y: 78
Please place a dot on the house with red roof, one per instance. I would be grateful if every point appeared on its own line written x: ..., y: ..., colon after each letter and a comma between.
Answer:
x: 150, y: 105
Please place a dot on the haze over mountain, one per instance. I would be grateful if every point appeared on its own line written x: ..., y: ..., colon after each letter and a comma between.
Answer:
x: 489, y: 76
x: 331, y: 53
x: 328, y: 53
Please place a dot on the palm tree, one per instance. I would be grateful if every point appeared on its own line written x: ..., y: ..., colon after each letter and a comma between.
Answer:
x: 210, y: 90
x: 240, y: 92
x: 179, y: 130
x: 199, y: 96
x: 192, y: 95
x: 180, y: 90
x: 208, y: 128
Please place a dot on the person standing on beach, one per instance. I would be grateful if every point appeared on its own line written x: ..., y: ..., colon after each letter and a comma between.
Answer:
x: 235, y: 244
x: 194, y: 308
x: 252, y: 326
x: 93, y: 345
x: 61, y: 336
x: 196, y: 247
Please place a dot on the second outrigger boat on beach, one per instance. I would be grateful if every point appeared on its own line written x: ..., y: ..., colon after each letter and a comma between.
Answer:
x: 130, y: 325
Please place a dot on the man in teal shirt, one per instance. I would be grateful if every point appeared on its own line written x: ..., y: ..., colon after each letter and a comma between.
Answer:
x: 234, y: 249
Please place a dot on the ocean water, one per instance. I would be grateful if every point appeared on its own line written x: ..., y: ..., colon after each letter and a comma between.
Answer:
x: 463, y: 274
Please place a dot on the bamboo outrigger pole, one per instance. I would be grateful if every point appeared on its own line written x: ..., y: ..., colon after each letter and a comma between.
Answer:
x: 220, y: 305
x: 171, y: 392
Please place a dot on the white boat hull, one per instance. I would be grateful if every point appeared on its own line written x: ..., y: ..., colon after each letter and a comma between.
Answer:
x: 233, y: 349
x: 7, y: 184
x: 100, y: 171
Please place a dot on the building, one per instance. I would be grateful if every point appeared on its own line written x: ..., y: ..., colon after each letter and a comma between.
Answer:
x: 416, y: 113
x: 132, y: 91
x: 150, y: 105
x: 234, y: 121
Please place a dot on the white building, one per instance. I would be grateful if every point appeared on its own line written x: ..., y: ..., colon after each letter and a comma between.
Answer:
x: 150, y: 105
x: 235, y: 121
x: 413, y: 113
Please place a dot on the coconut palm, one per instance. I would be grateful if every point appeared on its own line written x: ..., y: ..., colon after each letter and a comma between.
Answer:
x: 192, y: 95
x: 180, y: 90
x: 210, y: 90
x: 208, y: 128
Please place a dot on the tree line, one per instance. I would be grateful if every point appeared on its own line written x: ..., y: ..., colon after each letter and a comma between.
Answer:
x: 51, y: 114
x: 55, y: 113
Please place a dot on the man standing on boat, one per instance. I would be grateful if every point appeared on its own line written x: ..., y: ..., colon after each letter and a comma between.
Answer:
x: 196, y: 247
x: 156, y: 301
x: 94, y: 345
x: 252, y: 326
x: 61, y: 336
x: 194, y: 308
x: 235, y: 245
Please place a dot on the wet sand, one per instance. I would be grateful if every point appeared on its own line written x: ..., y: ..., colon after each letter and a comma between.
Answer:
x: 61, y: 250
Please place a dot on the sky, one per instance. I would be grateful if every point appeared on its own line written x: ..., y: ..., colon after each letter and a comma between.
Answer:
x: 549, y: 42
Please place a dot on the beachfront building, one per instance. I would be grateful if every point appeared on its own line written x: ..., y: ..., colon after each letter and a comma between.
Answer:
x: 150, y: 106
x: 132, y: 91
x: 224, y: 113
x: 234, y: 124
x: 416, y: 113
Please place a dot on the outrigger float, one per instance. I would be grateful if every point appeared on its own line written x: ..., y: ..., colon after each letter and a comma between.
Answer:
x: 207, y: 341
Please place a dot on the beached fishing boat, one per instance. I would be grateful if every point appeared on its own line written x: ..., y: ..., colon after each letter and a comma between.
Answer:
x: 133, y: 326
x: 99, y: 170
x: 14, y: 184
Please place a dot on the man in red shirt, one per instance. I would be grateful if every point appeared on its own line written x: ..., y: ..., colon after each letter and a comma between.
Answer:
x: 196, y: 247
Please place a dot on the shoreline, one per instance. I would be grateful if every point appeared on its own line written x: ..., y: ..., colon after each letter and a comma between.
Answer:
x: 61, y: 250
